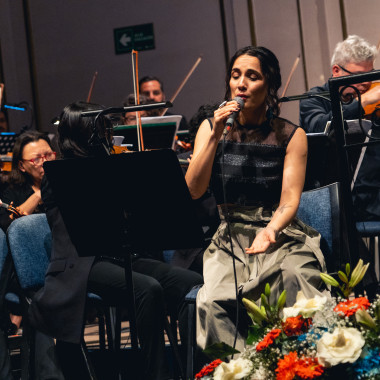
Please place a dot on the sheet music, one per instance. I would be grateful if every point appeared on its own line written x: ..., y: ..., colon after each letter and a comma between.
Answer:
x: 163, y: 120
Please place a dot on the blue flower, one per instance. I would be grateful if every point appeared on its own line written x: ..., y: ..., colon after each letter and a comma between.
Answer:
x: 369, y: 365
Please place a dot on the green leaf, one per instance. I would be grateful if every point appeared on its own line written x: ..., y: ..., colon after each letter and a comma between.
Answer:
x: 348, y: 269
x: 219, y: 351
x: 267, y: 290
x: 343, y: 277
x: 254, y: 334
x: 377, y: 313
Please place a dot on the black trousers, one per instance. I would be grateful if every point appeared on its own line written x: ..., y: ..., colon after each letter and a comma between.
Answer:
x: 159, y: 288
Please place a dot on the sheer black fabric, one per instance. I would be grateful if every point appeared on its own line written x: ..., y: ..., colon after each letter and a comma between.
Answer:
x: 253, y: 162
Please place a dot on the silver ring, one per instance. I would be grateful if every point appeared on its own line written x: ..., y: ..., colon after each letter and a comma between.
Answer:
x: 223, y: 104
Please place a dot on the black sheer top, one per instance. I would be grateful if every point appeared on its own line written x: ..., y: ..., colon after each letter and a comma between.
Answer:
x: 253, y: 163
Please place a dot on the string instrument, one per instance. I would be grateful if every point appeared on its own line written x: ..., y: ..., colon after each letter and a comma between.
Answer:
x: 15, y: 211
x: 188, y: 75
x: 370, y: 108
x: 182, y: 144
x: 91, y: 87
x: 295, y: 64
x: 6, y: 162
x: 1, y: 92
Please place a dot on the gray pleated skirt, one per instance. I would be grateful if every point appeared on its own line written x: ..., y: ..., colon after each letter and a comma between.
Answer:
x: 293, y: 263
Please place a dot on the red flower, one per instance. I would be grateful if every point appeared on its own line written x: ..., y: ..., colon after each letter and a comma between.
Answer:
x: 268, y: 339
x: 305, y: 368
x: 308, y: 368
x: 208, y: 369
x: 286, y: 367
x: 296, y: 325
x: 350, y: 307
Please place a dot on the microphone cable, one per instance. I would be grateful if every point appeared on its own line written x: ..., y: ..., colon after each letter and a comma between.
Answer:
x: 227, y: 218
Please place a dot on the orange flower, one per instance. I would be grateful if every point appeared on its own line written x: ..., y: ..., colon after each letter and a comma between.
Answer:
x: 296, y: 325
x: 308, y: 368
x: 350, y: 307
x: 268, y: 339
x: 305, y: 368
x: 208, y: 369
x: 286, y: 367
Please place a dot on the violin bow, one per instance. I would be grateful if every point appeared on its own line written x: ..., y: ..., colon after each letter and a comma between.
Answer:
x: 295, y: 64
x: 135, y: 72
x: 197, y: 62
x: 91, y: 87
x: 1, y: 92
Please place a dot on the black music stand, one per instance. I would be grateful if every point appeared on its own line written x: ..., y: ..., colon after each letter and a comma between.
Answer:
x: 122, y: 204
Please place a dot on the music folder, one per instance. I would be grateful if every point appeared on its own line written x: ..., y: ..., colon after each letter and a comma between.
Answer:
x: 139, y: 200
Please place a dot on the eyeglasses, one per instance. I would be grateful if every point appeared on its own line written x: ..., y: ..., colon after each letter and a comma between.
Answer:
x: 357, y: 72
x: 40, y: 159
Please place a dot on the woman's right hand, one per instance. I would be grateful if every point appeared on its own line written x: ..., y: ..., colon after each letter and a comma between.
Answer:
x: 221, y: 115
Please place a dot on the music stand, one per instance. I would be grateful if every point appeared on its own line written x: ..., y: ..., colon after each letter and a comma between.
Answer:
x: 123, y: 204
x: 158, y: 132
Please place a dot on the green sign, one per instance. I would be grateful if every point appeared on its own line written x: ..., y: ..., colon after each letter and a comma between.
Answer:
x: 138, y: 37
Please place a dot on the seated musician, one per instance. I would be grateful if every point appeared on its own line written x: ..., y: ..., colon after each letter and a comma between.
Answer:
x: 153, y: 89
x: 58, y: 309
x: 129, y: 118
x: 30, y: 151
x: 354, y: 55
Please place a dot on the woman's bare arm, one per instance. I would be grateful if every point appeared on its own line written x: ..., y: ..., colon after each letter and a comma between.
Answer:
x: 292, y: 186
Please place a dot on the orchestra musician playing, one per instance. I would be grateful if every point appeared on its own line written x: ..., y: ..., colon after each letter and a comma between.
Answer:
x: 354, y: 55
x: 153, y: 89
x: 23, y: 191
x: 58, y: 308
x: 30, y: 151
x: 256, y: 170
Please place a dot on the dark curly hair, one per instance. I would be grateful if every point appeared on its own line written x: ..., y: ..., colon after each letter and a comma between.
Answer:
x: 271, y: 71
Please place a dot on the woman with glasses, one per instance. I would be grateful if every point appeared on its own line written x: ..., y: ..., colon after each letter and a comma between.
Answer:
x: 30, y: 151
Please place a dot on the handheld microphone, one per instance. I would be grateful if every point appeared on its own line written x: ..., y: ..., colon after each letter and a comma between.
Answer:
x: 232, y: 117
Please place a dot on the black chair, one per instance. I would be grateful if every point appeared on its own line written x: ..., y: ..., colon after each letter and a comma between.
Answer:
x: 320, y: 209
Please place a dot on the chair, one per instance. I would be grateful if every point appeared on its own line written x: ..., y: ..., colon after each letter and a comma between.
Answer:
x: 4, y: 315
x: 320, y: 209
x: 371, y: 230
x: 30, y: 242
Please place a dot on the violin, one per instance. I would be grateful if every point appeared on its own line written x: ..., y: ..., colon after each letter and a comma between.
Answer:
x: 15, y: 211
x: 370, y: 108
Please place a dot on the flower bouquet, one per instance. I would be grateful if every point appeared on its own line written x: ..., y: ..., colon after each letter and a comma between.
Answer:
x: 318, y: 338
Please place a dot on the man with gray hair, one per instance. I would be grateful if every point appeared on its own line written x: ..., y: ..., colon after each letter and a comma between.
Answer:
x: 354, y: 55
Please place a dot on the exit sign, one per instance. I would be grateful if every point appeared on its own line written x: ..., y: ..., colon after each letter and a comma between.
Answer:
x: 138, y: 37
